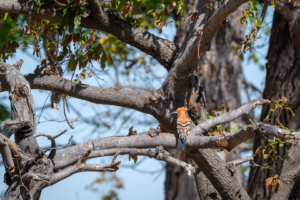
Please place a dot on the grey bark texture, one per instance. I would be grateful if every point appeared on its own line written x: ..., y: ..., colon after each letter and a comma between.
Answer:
x: 283, y: 72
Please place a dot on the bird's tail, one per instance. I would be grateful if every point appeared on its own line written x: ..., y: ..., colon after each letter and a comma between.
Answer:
x: 181, y: 146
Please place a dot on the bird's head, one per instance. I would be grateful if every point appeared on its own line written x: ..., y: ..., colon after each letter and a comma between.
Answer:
x: 180, y: 111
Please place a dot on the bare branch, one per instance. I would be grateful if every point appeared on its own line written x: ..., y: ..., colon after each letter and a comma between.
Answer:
x: 12, y: 146
x: 231, y: 165
x: 81, y: 166
x: 53, y: 143
x: 159, y: 154
x: 228, y: 117
x: 247, y: 84
x: 6, y: 153
x: 111, y: 96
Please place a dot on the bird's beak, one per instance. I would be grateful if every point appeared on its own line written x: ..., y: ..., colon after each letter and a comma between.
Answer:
x: 173, y: 113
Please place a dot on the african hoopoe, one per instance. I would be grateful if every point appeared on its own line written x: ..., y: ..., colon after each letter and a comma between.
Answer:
x: 183, y: 128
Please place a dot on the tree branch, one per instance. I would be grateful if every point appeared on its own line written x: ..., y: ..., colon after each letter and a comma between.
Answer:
x: 286, y: 10
x: 6, y: 153
x: 110, y: 96
x: 194, y: 141
x: 81, y: 166
x: 216, y: 171
x: 162, y: 50
x: 228, y: 117
x: 186, y: 60
x: 159, y: 154
x: 231, y: 165
x: 53, y: 143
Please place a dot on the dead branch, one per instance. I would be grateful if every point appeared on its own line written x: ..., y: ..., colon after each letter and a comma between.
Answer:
x: 231, y: 165
x: 53, y: 143
x: 81, y: 166
x: 159, y: 154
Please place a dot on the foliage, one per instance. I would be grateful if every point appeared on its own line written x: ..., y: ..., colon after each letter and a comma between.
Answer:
x: 251, y: 14
x: 107, y: 180
x: 270, y: 150
x: 4, y: 113
x: 273, y: 182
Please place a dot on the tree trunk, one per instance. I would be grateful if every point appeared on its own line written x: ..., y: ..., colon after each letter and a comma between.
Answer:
x: 282, y: 80
x: 221, y: 77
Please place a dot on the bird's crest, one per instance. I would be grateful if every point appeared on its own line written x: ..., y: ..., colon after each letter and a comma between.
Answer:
x: 181, y: 115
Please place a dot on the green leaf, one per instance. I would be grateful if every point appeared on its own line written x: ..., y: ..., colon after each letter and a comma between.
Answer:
x: 234, y: 151
x: 257, y: 22
x: 181, y: 7
x: 103, y: 60
x: 77, y: 18
x: 273, y: 2
x: 72, y: 63
x: 135, y: 158
x: 65, y: 13
x: 274, y: 106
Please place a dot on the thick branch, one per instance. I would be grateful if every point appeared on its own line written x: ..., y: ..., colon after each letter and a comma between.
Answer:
x: 216, y: 171
x: 169, y: 141
x: 201, y: 29
x: 162, y: 50
x: 286, y: 10
x: 110, y: 96
x: 22, y: 106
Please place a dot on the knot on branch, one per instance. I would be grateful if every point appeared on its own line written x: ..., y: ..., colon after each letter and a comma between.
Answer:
x: 154, y: 98
x: 154, y: 131
x: 131, y: 131
x: 51, y: 70
x: 19, y: 64
x: 161, y: 153
x: 10, y: 127
x: 231, y: 167
x: 189, y: 169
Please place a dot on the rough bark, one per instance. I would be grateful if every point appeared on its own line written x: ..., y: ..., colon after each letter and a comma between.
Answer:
x: 283, y: 72
x: 221, y: 77
x: 178, y: 185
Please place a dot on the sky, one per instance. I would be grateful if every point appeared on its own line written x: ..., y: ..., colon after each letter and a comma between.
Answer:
x: 137, y: 185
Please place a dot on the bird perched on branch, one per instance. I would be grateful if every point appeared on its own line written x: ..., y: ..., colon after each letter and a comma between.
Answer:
x: 183, y: 128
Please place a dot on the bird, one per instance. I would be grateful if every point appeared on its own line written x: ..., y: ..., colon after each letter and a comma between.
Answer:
x: 183, y: 128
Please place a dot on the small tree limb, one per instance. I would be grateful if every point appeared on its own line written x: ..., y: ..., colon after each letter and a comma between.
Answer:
x: 231, y: 165
x: 6, y: 154
x: 81, y: 166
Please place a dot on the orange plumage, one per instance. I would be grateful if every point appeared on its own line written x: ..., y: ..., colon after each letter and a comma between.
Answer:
x: 181, y: 115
